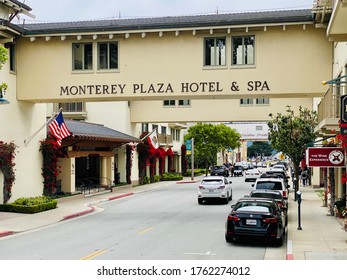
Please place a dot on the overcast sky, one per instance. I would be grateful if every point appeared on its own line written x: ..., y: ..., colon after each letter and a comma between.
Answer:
x: 75, y: 10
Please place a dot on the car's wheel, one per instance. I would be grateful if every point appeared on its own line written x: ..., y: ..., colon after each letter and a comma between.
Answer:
x: 229, y: 239
x: 226, y: 200
x: 279, y: 242
x: 200, y: 200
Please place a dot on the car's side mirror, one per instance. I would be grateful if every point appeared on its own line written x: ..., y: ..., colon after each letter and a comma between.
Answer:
x: 252, y: 185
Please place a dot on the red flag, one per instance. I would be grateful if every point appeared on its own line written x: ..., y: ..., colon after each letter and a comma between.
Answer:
x: 59, y: 129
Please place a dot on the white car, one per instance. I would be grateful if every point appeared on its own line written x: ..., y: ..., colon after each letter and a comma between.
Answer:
x: 215, y: 187
x: 252, y: 174
x: 274, y: 184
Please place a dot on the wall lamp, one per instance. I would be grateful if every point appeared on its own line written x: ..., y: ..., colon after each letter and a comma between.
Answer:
x: 335, y: 81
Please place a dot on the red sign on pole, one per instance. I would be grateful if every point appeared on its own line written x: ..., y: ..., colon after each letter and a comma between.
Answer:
x: 325, y: 157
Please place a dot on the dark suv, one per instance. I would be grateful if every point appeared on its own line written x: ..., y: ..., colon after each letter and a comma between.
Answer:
x: 238, y: 170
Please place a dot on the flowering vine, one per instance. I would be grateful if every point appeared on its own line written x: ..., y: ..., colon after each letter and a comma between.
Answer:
x: 169, y: 153
x: 51, y: 152
x: 129, y: 162
x: 184, y: 162
x: 7, y: 156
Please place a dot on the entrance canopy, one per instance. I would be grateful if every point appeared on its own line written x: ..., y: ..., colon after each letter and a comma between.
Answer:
x: 90, y: 135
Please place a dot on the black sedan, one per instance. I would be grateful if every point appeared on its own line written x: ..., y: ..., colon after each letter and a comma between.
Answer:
x: 220, y: 170
x: 255, y: 218
x: 276, y: 195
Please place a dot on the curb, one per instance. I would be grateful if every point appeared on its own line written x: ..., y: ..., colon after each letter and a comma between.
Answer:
x: 290, y: 255
x: 6, y: 233
x: 92, y: 209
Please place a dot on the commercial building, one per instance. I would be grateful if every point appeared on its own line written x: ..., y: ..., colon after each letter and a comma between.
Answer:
x: 130, y: 76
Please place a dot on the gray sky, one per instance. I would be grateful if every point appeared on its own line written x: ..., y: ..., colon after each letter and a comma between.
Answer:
x: 75, y: 10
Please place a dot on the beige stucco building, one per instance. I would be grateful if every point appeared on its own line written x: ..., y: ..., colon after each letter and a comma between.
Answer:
x: 135, y: 75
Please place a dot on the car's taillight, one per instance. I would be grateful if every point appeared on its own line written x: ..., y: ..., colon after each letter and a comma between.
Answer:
x: 280, y: 204
x: 284, y: 194
x: 221, y: 187
x: 233, y: 218
x: 270, y: 220
x: 201, y: 187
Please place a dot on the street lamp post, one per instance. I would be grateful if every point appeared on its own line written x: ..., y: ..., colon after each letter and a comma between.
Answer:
x: 299, y: 209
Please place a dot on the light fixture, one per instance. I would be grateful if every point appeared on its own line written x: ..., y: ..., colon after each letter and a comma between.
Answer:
x: 2, y: 99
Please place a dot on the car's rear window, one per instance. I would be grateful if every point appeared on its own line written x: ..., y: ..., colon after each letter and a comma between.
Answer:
x: 212, y: 181
x: 267, y: 195
x: 269, y: 185
x: 254, y: 209
x: 254, y: 206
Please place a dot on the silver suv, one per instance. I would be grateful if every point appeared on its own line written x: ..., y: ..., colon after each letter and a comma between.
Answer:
x: 274, y: 184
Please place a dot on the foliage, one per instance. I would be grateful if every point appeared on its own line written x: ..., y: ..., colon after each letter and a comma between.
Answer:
x: 3, y: 59
x: 172, y: 177
x: 129, y: 162
x: 209, y: 139
x: 30, y: 205
x: 3, y: 56
x: 197, y: 172
x: 290, y: 133
x: 7, y: 156
x: 51, y: 152
x: 259, y: 148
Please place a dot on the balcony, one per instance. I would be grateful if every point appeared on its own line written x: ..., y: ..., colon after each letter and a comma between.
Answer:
x: 165, y: 140
x: 328, y: 114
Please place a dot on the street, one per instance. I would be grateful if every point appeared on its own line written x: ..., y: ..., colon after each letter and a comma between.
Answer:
x: 162, y: 224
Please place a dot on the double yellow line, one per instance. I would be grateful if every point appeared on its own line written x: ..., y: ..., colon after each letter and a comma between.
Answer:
x: 94, y: 255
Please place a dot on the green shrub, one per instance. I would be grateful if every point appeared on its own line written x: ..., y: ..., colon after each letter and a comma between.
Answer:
x: 146, y: 180
x: 172, y: 177
x: 30, y: 205
x: 197, y: 172
x: 156, y: 178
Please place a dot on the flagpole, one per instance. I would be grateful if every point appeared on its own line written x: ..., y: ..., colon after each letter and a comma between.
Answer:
x: 27, y: 141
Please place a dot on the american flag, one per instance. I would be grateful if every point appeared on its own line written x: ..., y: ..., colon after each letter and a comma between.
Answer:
x: 59, y: 129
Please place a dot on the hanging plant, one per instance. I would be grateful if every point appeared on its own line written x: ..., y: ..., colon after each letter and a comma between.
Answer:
x: 129, y: 162
x: 7, y: 156
x: 51, y: 152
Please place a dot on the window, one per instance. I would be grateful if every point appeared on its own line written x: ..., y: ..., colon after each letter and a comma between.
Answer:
x: 176, y: 134
x: 262, y: 101
x: 184, y: 102
x: 163, y: 130
x: 214, y: 52
x: 82, y: 55
x: 108, y: 55
x: 169, y: 102
x: 243, y: 50
x: 12, y: 57
x: 144, y: 127
x: 155, y: 126
x: 71, y: 106
x: 246, y: 101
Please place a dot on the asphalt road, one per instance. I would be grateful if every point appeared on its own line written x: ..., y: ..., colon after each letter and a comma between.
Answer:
x: 162, y: 224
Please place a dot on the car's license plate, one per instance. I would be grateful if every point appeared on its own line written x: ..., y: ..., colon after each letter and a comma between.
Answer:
x: 211, y: 190
x: 251, y: 222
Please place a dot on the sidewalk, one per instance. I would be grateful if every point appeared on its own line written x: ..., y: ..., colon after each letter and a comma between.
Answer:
x: 322, y: 236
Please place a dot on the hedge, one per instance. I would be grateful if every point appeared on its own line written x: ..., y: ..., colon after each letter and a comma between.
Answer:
x: 30, y: 205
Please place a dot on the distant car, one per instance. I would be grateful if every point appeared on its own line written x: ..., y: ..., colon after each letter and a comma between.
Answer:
x: 252, y: 174
x: 276, y: 195
x: 238, y: 170
x: 215, y: 187
x: 255, y: 218
x: 277, y: 173
x: 275, y: 184
x: 220, y: 170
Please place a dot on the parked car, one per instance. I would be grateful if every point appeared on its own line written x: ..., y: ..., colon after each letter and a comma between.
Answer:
x: 215, y: 187
x: 252, y: 174
x: 238, y: 170
x: 275, y: 184
x: 220, y: 170
x: 255, y: 218
x: 276, y: 195
x: 277, y: 173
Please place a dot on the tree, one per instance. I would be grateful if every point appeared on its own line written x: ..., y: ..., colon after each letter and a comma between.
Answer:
x: 290, y: 134
x: 259, y: 148
x: 209, y: 139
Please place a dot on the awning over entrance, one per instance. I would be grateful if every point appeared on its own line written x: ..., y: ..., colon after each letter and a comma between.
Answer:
x: 95, y: 135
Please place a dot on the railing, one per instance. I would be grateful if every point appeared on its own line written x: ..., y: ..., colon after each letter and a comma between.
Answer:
x: 89, y: 185
x: 165, y: 140
x: 329, y: 106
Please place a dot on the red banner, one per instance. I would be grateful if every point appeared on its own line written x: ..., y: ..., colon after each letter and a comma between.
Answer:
x: 325, y: 157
